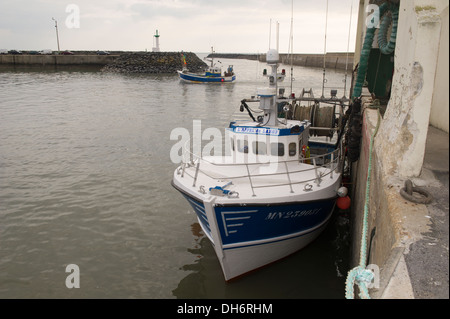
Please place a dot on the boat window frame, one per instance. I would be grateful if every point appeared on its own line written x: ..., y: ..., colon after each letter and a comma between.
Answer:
x: 215, y: 70
x: 242, y: 149
x: 300, y: 145
x: 292, y: 149
x: 280, y: 146
x: 259, y: 148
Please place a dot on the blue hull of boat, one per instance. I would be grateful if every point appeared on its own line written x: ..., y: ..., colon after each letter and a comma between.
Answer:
x: 196, y: 78
x: 252, y: 223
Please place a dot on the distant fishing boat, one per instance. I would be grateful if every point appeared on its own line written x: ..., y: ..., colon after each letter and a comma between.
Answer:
x: 213, y: 74
x: 276, y: 191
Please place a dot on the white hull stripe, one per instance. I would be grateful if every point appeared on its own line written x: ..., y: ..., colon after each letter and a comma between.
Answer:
x: 226, y: 218
x: 277, y: 239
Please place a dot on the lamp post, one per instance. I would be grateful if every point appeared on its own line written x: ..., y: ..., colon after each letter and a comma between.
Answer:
x: 57, y: 37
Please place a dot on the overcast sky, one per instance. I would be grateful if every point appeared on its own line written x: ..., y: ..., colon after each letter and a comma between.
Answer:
x: 191, y: 25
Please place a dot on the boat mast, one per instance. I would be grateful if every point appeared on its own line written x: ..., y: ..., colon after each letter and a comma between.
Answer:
x: 348, y: 48
x: 270, y: 32
x: 278, y: 36
x: 325, y: 54
x: 212, y: 57
x: 268, y: 95
x: 291, y: 44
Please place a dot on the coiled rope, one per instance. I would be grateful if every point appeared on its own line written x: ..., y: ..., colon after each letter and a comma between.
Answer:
x: 390, y: 18
x: 385, y: 46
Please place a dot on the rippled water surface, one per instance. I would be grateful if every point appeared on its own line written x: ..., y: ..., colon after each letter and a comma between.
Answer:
x: 85, y: 175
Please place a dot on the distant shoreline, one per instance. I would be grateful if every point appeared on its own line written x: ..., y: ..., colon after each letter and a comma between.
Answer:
x: 333, y: 60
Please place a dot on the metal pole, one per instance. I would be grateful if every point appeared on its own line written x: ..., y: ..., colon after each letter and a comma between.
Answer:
x: 250, y: 179
x: 291, y: 44
x: 270, y: 32
x: 278, y: 36
x: 196, y: 173
x: 348, y: 48
x: 289, y: 177
x: 325, y: 52
x: 57, y: 37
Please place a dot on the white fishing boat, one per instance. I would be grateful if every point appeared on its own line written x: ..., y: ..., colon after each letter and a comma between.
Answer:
x: 269, y: 197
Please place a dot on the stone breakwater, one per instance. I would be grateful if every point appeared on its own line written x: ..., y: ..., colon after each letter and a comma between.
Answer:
x: 154, y: 62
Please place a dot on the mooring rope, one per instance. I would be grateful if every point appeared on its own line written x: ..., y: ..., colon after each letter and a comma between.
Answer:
x: 360, y: 275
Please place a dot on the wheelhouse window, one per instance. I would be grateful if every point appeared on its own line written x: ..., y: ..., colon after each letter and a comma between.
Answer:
x: 232, y: 144
x: 300, y: 145
x: 259, y: 148
x: 242, y: 146
x: 292, y: 149
x: 277, y: 149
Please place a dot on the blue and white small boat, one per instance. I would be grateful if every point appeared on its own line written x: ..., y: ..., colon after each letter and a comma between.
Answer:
x: 213, y: 74
x: 268, y: 198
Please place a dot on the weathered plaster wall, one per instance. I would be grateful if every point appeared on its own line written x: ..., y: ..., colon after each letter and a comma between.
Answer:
x: 419, y: 97
x: 403, y: 131
x: 439, y: 117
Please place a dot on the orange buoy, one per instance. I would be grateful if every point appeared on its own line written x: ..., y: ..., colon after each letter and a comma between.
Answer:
x: 344, y: 202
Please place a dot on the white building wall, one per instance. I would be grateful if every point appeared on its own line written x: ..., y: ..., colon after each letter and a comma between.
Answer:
x: 439, y: 117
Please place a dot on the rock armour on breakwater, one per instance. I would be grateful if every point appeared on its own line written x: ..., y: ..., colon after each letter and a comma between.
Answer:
x: 155, y: 62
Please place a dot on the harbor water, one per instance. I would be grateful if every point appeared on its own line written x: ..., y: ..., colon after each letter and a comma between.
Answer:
x: 85, y: 179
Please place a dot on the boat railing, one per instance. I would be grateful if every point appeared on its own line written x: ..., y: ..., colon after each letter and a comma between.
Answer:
x: 323, y: 165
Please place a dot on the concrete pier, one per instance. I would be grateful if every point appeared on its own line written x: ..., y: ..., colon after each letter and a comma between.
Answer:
x: 338, y: 60
x: 409, y: 241
x: 51, y: 60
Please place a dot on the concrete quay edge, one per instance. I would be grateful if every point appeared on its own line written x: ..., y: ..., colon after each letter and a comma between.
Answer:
x: 411, y: 244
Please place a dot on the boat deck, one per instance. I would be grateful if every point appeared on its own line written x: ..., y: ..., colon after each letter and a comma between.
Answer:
x: 275, y: 182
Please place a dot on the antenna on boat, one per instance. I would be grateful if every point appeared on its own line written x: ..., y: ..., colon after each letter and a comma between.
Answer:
x: 212, y: 56
x: 325, y: 53
x: 291, y: 44
x: 348, y: 48
x: 270, y: 32
x: 278, y: 36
